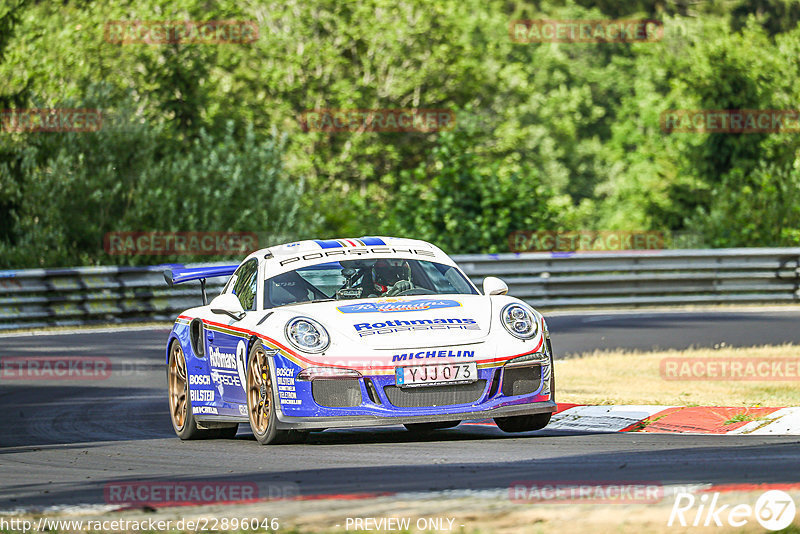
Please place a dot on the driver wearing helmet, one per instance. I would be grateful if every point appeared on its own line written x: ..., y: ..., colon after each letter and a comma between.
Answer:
x: 391, y: 277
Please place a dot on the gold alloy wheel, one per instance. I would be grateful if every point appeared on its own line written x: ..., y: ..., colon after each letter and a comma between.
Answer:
x: 259, y: 391
x: 178, y: 386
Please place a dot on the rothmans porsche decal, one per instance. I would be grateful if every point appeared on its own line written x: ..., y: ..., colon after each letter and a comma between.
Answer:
x: 399, y: 306
x: 398, y: 325
x: 225, y: 360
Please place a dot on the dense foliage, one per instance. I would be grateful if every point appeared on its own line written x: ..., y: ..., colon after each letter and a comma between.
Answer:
x: 548, y: 136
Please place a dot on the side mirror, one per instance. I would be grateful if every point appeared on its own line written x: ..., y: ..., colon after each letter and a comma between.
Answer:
x: 228, y: 304
x: 494, y: 286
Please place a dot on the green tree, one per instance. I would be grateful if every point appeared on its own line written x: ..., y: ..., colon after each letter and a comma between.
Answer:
x: 469, y: 205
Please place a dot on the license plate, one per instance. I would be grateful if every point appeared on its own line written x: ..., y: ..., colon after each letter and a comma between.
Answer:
x: 436, y: 375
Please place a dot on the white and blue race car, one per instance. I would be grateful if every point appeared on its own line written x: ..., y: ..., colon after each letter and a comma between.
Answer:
x: 341, y: 333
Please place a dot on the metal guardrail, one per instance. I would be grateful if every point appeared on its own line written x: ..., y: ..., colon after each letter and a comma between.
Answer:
x: 85, y: 295
x: 645, y: 278
x: 45, y: 297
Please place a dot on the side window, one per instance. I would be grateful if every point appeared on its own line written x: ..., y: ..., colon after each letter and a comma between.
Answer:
x: 244, y: 284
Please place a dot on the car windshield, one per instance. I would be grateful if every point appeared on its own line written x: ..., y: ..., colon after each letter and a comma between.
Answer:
x: 356, y: 279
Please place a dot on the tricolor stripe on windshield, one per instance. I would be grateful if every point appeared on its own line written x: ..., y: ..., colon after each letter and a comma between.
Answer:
x: 345, y: 243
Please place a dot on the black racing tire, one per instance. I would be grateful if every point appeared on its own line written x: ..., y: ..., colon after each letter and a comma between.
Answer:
x: 523, y: 423
x: 425, y: 428
x: 261, y: 399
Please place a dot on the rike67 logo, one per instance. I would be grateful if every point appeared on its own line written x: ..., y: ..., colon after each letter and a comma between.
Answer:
x: 773, y: 510
x: 390, y: 306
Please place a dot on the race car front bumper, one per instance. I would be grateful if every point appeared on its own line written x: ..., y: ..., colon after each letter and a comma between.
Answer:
x: 505, y: 390
x: 309, y: 423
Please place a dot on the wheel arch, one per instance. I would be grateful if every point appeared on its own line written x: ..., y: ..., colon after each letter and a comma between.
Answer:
x: 172, y: 338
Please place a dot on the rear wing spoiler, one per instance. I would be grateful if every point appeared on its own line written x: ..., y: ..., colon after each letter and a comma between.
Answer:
x: 181, y: 275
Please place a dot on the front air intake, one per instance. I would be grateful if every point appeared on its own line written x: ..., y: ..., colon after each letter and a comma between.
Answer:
x: 426, y: 396
x: 521, y: 380
x: 336, y: 393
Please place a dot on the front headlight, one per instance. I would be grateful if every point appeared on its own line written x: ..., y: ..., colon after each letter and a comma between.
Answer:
x: 307, y: 334
x: 519, y: 321
x: 537, y: 358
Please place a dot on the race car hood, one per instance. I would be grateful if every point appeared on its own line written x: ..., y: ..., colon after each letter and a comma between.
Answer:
x: 403, y: 322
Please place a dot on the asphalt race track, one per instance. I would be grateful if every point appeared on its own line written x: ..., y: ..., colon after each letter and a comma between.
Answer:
x: 64, y: 442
